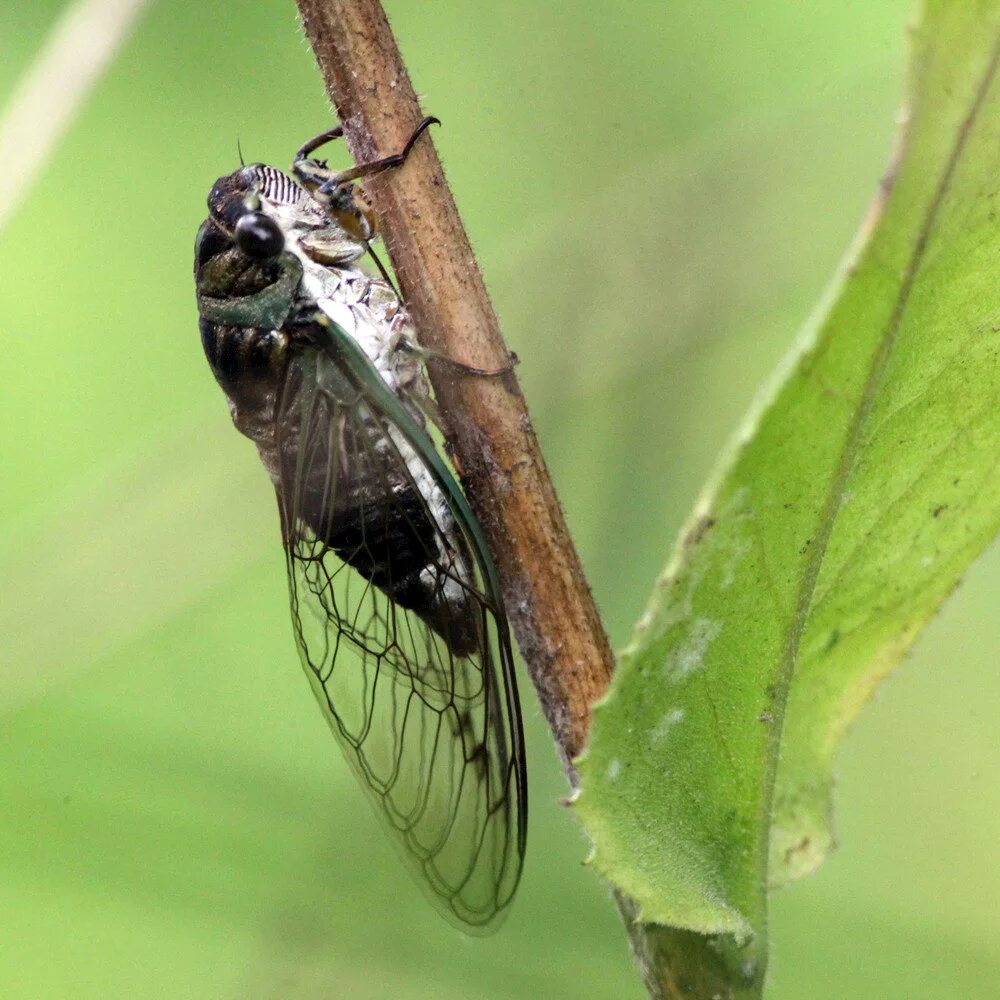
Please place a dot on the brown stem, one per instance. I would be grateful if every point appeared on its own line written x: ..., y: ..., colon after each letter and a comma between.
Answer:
x: 547, y: 597
x: 548, y: 601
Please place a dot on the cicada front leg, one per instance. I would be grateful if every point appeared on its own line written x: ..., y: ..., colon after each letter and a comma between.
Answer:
x: 335, y: 190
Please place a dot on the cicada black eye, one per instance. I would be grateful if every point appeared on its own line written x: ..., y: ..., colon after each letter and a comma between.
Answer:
x: 258, y: 236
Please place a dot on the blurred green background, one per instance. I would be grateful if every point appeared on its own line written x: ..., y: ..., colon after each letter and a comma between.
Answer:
x: 658, y: 193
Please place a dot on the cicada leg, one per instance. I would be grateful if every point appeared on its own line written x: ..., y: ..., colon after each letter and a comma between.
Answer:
x: 335, y: 191
x: 308, y: 169
x: 429, y: 354
x: 344, y: 200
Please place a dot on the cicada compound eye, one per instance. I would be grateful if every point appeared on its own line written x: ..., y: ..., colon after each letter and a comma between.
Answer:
x: 258, y: 236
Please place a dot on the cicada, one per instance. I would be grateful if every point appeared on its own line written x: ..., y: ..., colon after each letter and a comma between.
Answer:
x: 396, y: 609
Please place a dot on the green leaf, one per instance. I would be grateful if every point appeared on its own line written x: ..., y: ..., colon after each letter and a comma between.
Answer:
x: 847, y: 513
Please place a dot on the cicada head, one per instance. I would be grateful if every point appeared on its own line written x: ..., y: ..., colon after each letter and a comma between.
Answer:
x: 266, y: 212
x: 240, y: 243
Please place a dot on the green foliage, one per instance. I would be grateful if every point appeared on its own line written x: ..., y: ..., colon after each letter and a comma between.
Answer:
x: 850, y: 509
x: 177, y: 821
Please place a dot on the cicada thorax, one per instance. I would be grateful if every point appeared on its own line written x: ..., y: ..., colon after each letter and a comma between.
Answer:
x: 335, y: 466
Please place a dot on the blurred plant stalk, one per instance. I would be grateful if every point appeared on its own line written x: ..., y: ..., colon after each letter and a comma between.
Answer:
x: 548, y: 599
x: 79, y: 48
x: 546, y: 594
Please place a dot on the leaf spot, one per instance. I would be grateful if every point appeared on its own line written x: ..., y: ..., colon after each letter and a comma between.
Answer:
x: 740, y: 549
x: 663, y: 727
x: 689, y: 656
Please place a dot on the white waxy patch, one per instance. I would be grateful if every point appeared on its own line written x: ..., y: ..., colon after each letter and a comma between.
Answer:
x: 663, y: 727
x: 344, y: 293
x: 370, y: 313
x: 614, y: 770
x: 738, y: 552
x: 689, y: 656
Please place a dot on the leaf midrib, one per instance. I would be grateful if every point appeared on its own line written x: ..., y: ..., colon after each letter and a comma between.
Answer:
x: 834, y: 499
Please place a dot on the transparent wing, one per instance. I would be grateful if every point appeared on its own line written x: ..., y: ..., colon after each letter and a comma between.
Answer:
x: 402, y: 634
